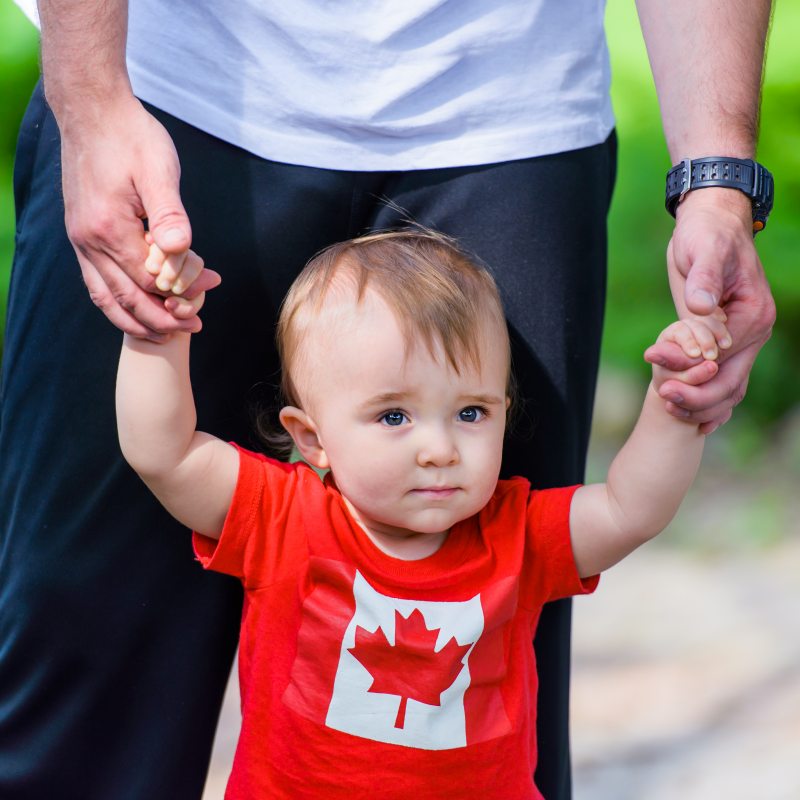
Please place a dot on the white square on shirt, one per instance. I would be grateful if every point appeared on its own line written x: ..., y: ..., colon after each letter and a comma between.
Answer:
x: 373, y: 715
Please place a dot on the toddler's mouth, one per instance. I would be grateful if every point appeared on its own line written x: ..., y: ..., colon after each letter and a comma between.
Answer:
x: 436, y: 492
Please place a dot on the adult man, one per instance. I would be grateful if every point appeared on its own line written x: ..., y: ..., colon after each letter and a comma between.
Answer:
x: 489, y: 121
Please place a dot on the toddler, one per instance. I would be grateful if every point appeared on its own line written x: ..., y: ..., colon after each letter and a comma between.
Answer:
x: 385, y: 646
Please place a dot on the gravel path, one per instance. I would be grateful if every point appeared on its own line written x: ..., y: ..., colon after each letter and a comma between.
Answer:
x: 686, y: 679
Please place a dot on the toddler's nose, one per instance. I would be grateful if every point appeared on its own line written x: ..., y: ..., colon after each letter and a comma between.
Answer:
x: 437, y: 449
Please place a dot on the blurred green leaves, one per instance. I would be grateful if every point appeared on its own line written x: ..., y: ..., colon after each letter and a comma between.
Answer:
x: 19, y: 69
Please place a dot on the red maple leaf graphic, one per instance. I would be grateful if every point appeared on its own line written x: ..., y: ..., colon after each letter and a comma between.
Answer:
x: 410, y: 667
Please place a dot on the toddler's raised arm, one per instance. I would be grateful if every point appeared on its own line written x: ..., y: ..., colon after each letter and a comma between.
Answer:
x: 193, y: 474
x: 651, y: 474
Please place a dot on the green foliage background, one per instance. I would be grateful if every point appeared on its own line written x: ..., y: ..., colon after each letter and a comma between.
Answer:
x: 639, y: 303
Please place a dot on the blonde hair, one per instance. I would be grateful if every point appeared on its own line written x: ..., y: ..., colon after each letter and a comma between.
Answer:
x: 438, y: 294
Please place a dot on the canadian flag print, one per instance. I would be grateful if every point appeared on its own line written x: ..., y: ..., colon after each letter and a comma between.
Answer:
x: 411, y: 667
x: 404, y: 668
x: 414, y: 673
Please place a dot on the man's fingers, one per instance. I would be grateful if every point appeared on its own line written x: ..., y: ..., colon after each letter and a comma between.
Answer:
x: 676, y: 382
x: 114, y: 292
x: 183, y: 307
x: 207, y: 280
x: 102, y: 297
x: 111, y: 229
x: 709, y: 427
x: 670, y: 355
x: 699, y: 397
x: 708, y: 419
x: 724, y: 391
x: 698, y: 374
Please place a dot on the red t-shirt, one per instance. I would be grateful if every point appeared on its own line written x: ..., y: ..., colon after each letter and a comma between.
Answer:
x: 365, y: 676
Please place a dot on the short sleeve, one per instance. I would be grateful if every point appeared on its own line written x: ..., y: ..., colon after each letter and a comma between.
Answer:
x: 549, y: 547
x: 254, y: 534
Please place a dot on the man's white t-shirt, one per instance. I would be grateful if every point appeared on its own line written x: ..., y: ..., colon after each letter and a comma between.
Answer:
x: 377, y: 84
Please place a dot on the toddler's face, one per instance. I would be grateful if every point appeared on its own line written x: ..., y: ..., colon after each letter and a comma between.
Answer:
x: 413, y: 446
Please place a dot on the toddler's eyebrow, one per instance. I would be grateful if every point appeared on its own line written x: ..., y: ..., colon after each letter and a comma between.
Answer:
x: 384, y: 398
x: 482, y: 399
x: 467, y: 399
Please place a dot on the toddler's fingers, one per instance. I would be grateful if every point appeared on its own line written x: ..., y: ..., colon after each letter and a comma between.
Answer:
x: 206, y: 280
x: 696, y: 375
x: 155, y: 256
x: 683, y: 335
x: 709, y: 427
x: 703, y: 338
x: 171, y: 268
x: 711, y: 334
x: 183, y: 307
x: 192, y: 267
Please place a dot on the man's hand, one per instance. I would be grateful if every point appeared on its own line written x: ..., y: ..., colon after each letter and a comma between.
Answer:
x: 711, y: 261
x: 117, y: 171
x: 696, y: 343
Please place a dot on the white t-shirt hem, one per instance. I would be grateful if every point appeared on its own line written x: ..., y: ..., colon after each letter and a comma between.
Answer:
x: 396, y: 154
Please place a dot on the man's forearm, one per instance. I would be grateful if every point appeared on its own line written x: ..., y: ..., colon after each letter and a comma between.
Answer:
x: 83, y: 55
x: 707, y: 60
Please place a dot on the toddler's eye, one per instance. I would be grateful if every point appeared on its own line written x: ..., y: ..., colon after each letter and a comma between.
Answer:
x: 471, y: 414
x: 393, y: 418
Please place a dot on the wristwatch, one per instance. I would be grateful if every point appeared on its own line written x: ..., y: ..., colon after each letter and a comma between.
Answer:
x: 744, y: 174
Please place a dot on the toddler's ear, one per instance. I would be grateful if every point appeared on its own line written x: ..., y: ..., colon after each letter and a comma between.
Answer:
x: 304, y: 432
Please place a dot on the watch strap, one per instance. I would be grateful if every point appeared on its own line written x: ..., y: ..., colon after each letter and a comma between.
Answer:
x: 746, y: 175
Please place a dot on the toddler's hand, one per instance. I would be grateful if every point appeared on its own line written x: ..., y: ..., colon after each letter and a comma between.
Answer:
x: 700, y: 339
x: 178, y: 275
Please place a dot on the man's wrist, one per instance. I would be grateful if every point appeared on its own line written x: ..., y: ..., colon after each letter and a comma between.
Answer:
x: 74, y: 98
x: 89, y: 109
x: 718, y: 198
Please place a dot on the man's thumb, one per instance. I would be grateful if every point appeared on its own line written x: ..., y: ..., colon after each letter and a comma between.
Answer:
x: 167, y: 221
x: 703, y: 289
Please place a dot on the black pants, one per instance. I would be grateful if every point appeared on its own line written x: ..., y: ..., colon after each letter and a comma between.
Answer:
x: 114, y: 645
